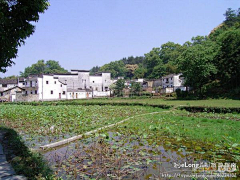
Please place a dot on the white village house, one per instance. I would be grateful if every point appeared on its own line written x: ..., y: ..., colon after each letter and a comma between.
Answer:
x: 172, y: 82
x: 77, y: 84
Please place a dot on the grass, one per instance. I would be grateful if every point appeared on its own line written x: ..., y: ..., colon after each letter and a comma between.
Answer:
x: 30, y: 164
x: 174, y: 102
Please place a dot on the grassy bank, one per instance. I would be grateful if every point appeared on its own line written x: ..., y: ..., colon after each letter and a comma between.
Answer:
x: 30, y: 164
x: 161, y: 103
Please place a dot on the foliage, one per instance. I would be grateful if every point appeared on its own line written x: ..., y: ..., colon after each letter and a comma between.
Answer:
x: 118, y: 89
x: 197, y: 64
x: 228, y: 58
x: 135, y: 88
x: 140, y: 72
x: 94, y: 70
x: 130, y: 69
x: 116, y: 68
x: 30, y: 164
x: 16, y: 24
x: 41, y: 67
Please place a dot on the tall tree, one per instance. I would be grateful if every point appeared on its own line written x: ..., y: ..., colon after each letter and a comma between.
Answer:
x: 228, y: 58
x: 197, y: 64
x: 16, y: 18
x: 41, y: 67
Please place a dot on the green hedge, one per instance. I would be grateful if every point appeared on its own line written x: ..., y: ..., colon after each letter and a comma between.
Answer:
x: 210, y: 109
x: 85, y: 103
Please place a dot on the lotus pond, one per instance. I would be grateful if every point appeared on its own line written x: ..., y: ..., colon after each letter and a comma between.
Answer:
x: 145, y: 147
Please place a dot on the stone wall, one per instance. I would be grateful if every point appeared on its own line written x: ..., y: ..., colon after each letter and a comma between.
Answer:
x: 27, y: 98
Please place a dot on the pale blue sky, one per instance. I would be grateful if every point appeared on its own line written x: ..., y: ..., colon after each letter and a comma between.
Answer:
x: 81, y: 34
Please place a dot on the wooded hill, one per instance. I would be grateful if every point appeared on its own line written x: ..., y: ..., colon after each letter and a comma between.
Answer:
x: 211, y: 61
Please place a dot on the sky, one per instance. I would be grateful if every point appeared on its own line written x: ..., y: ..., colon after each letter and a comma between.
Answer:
x: 81, y: 34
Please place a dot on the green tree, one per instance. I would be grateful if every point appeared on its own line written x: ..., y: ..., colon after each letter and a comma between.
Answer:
x: 228, y: 58
x: 197, y: 64
x: 135, y: 88
x: 155, y: 66
x: 140, y: 72
x: 118, y: 89
x: 16, y: 24
x: 116, y: 68
x: 50, y: 67
x: 94, y: 70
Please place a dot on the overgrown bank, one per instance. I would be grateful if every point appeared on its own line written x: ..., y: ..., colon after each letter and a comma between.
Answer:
x: 30, y: 164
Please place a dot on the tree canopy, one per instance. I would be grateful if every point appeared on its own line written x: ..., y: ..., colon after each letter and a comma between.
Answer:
x: 41, y: 67
x: 16, y: 17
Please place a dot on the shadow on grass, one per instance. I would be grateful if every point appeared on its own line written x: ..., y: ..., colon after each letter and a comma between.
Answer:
x: 25, y: 162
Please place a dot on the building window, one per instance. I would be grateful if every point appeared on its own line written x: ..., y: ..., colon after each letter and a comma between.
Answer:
x: 36, y: 82
x: 46, y: 82
x: 31, y: 92
x: 26, y: 92
x: 35, y: 91
x: 96, y: 88
x: 171, y: 78
x: 93, y: 82
x: 51, y: 91
x: 55, y: 82
x: 61, y: 85
x: 23, y: 83
x: 64, y: 92
x: 1, y: 94
x: 4, y: 85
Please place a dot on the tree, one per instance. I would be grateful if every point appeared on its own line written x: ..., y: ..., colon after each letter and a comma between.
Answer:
x: 228, y: 58
x: 140, y: 72
x: 197, y: 64
x: 154, y: 64
x: 118, y: 89
x: 130, y: 69
x: 50, y: 67
x: 16, y: 18
x: 94, y: 70
x: 116, y: 68
x: 135, y: 88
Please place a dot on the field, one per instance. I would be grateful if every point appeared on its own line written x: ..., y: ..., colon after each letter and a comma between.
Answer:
x: 143, y: 147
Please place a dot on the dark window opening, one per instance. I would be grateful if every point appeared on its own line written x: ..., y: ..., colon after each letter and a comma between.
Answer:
x: 55, y: 82
x: 46, y: 82
x: 4, y: 85
x: 93, y: 81
x: 35, y: 91
x: 51, y: 91
x: 64, y: 92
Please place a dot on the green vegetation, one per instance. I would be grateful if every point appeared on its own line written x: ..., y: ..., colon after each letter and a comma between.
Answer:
x: 210, y: 64
x: 141, y: 145
x: 16, y: 24
x: 57, y: 122
x: 41, y: 67
x: 30, y: 164
x: 147, y: 145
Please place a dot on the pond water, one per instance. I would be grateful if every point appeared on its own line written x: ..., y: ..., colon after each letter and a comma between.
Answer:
x: 116, y: 156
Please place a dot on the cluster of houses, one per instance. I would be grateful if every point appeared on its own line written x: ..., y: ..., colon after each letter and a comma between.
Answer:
x: 78, y: 84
